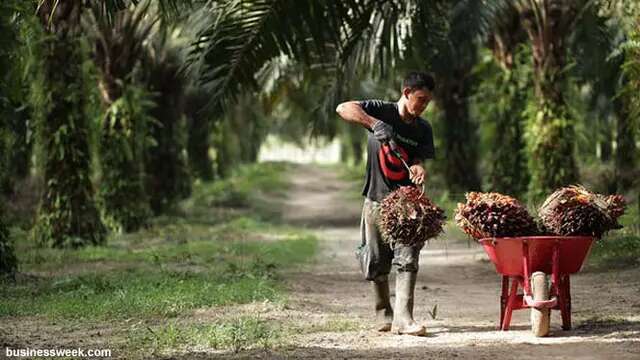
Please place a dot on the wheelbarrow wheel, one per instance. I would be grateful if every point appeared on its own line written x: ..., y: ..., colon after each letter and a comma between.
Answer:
x: 540, y: 318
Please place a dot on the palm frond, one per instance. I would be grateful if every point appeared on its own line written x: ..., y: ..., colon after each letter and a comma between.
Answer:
x: 241, y: 36
x: 167, y: 9
x: 119, y: 44
x: 506, y: 35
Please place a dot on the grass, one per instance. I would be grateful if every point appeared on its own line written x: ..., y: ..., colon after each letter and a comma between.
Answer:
x: 236, y: 334
x: 616, y: 252
x: 620, y: 248
x: 245, y: 190
x: 222, y: 246
x: 163, y: 280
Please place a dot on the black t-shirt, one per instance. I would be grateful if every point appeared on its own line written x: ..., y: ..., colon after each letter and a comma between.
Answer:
x: 415, y: 137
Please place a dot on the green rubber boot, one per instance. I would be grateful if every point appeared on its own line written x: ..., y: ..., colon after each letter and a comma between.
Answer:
x: 403, y: 322
x: 384, y: 312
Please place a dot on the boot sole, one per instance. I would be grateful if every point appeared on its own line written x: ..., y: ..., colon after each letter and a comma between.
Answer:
x: 420, y: 332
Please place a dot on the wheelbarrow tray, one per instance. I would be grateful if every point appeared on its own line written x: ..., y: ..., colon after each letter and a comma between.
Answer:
x: 508, y: 253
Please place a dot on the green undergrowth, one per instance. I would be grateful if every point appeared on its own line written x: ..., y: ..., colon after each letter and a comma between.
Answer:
x: 620, y: 248
x: 211, y: 252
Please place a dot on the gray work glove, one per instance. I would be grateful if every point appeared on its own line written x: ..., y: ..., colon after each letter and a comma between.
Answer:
x: 382, y: 132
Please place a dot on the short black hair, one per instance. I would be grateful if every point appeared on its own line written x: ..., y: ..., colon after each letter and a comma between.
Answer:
x: 419, y: 80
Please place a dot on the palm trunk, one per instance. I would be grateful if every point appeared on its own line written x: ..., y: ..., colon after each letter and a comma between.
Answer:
x: 19, y: 160
x: 198, y: 148
x: 625, y: 159
x: 509, y: 173
x: 357, y: 149
x: 606, y: 142
x: 199, y: 137
x: 117, y: 50
x: 168, y: 179
x: 67, y: 216
x: 121, y: 162
x: 630, y: 128
x: 6, y: 143
x: 8, y: 263
x: 551, y: 133
x: 460, y: 136
x: 14, y: 149
x: 226, y: 155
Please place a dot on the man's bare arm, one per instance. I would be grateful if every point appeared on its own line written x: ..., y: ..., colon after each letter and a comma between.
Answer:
x: 352, y: 111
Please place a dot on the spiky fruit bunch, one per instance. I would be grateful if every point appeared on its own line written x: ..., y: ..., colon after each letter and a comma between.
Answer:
x: 408, y: 217
x: 494, y: 215
x: 574, y: 210
x: 616, y: 205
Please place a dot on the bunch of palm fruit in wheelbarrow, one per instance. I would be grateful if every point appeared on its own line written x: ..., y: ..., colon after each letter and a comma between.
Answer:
x: 571, y: 210
x: 494, y: 215
x: 409, y: 217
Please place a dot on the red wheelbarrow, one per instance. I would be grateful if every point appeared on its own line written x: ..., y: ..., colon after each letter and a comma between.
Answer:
x: 526, y: 262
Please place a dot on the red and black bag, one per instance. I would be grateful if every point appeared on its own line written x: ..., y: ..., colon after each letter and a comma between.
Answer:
x: 391, y: 165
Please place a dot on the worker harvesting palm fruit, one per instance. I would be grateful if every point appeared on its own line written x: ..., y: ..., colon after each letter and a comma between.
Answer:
x: 396, y: 131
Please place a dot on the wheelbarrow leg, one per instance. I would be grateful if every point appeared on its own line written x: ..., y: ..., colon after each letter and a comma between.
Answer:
x: 565, y: 302
x: 513, y: 294
x: 503, y: 299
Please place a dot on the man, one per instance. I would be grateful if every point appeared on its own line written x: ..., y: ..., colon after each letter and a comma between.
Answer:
x: 395, y: 130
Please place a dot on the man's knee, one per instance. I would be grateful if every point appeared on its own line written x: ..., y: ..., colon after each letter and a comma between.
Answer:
x: 406, y: 259
x: 407, y: 266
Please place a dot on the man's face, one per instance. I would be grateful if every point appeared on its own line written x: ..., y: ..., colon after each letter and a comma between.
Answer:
x: 417, y: 100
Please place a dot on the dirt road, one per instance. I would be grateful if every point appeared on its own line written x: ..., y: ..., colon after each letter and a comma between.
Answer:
x: 456, y: 276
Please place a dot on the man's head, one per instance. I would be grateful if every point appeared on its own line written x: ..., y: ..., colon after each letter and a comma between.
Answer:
x: 417, y: 89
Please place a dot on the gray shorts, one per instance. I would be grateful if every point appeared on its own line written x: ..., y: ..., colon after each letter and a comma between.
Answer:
x: 375, y: 256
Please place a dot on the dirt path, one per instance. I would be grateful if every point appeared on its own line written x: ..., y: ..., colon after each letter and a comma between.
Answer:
x: 330, y: 294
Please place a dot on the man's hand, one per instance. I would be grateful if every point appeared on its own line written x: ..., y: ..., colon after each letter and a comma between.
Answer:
x: 417, y: 174
x: 382, y: 131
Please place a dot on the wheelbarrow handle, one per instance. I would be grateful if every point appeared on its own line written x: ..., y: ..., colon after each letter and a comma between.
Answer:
x: 540, y: 304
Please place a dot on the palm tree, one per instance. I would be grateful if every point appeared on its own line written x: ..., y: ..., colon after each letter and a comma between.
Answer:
x: 8, y: 263
x: 631, y: 72
x: 119, y: 44
x: 628, y: 126
x: 7, y: 43
x: 504, y: 101
x: 598, y: 43
x: 199, y: 127
x: 67, y: 215
x: 167, y: 175
x: 13, y: 94
x: 551, y: 133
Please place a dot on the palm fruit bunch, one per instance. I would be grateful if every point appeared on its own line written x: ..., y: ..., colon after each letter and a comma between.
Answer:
x: 616, y: 205
x: 408, y: 217
x: 574, y: 210
x: 486, y: 215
